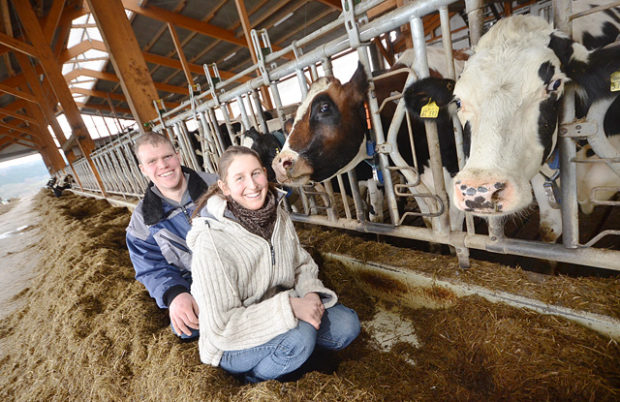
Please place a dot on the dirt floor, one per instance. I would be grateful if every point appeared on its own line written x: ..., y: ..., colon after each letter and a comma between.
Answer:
x: 84, y: 329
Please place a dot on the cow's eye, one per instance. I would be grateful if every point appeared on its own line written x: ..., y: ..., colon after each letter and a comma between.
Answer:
x: 553, y: 86
x: 457, y: 102
x: 324, y: 108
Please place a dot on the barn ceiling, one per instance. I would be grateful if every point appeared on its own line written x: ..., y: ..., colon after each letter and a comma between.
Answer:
x: 207, y: 31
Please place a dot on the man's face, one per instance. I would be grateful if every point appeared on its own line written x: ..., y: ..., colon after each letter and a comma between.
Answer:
x: 162, y: 165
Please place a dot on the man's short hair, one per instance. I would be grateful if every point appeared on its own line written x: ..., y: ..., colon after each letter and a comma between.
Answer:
x: 153, y: 138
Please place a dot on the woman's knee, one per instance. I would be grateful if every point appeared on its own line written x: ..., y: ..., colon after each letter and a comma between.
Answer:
x: 299, y: 341
x: 341, y: 327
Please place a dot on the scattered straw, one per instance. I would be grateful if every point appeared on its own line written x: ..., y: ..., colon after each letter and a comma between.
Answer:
x: 90, y: 332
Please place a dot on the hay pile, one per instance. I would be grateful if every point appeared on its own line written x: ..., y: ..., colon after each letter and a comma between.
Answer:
x: 89, y: 331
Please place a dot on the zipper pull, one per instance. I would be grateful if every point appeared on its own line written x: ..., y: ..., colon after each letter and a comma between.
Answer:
x: 273, y: 255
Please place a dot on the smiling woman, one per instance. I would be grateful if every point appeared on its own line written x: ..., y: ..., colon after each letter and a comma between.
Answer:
x: 262, y: 309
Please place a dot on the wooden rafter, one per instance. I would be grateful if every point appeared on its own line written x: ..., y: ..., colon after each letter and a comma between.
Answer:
x: 179, y: 50
x: 102, y: 75
x: 17, y: 93
x: 148, y: 57
x: 17, y: 45
x: 52, y: 70
x: 182, y: 21
x: 22, y: 117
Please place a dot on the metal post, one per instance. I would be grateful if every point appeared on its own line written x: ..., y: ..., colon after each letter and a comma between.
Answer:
x: 441, y: 223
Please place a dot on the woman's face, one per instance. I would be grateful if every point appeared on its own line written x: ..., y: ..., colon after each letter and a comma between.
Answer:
x: 246, y: 182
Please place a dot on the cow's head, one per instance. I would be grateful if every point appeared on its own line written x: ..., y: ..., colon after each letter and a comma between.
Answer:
x: 266, y: 145
x: 508, y: 99
x: 326, y: 137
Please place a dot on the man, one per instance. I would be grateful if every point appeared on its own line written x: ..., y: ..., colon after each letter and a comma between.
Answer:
x: 158, y: 227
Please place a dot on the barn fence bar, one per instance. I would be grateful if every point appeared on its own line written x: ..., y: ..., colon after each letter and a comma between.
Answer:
x: 121, y: 175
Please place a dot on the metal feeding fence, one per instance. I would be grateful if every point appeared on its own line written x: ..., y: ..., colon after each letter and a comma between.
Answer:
x: 120, y: 174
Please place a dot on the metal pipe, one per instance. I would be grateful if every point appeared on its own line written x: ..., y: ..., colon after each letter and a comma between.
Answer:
x: 609, y: 259
x: 441, y: 223
x: 475, y: 17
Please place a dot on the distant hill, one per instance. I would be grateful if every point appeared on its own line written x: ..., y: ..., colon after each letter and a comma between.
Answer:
x: 21, y: 179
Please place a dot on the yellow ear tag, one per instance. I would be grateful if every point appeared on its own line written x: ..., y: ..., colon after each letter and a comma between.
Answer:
x: 430, y: 110
x: 615, y: 81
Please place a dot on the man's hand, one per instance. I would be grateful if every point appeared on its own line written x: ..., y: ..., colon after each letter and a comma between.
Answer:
x: 183, y: 313
x: 308, y: 308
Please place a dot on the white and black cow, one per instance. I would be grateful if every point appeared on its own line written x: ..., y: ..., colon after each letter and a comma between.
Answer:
x: 508, y: 98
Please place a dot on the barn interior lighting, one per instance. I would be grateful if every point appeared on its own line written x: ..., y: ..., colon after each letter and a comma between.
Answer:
x: 230, y: 56
x: 286, y: 17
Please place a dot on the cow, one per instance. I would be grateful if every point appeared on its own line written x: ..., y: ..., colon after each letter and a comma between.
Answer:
x: 266, y: 145
x: 508, y: 99
x: 329, y: 133
x: 65, y: 182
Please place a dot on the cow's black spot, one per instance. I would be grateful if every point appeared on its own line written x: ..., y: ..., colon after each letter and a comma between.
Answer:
x: 611, y: 123
x: 471, y: 191
x: 562, y: 47
x: 546, y: 71
x: 463, y: 187
x: 479, y: 199
x: 609, y: 34
x: 499, y: 186
x: 466, y: 139
x: 482, y: 189
x: 547, y: 123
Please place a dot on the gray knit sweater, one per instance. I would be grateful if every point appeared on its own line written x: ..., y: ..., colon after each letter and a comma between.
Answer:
x: 242, y: 283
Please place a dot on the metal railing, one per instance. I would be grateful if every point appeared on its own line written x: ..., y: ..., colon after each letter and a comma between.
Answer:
x: 319, y: 204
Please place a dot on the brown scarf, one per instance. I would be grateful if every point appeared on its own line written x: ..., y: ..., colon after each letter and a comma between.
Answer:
x: 259, y: 222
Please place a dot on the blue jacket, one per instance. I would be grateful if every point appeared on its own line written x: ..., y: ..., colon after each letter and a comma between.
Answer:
x: 156, y: 240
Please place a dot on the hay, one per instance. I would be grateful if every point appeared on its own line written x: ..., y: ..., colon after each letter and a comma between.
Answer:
x: 593, y: 294
x: 90, y: 332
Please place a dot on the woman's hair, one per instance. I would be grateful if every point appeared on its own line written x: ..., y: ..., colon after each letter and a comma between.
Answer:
x: 224, y: 163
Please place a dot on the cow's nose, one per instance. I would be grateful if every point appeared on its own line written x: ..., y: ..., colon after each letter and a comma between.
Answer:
x: 285, y: 161
x: 480, y: 196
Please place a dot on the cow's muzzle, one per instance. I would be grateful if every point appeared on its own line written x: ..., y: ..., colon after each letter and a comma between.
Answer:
x: 483, y: 197
x: 292, y: 170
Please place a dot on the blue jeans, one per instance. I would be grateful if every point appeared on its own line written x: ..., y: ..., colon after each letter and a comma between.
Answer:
x: 193, y: 336
x: 287, y: 352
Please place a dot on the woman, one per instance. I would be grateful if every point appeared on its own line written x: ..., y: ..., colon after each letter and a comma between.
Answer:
x: 262, y: 309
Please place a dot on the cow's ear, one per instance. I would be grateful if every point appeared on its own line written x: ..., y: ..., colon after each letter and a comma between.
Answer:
x: 573, y: 56
x: 359, y: 81
x: 288, y: 126
x: 591, y: 70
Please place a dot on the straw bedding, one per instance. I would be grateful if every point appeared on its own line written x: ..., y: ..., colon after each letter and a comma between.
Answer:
x: 89, y: 331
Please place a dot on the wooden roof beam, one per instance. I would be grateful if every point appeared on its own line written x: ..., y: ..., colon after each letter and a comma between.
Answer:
x: 182, y: 21
x: 18, y: 45
x: 19, y: 116
x: 45, y: 111
x: 179, y: 49
x: 148, y: 57
x: 53, y: 73
x: 102, y: 75
x: 103, y: 107
x: 127, y: 59
x: 335, y: 4
x: 15, y: 127
x: 245, y: 22
x: 17, y: 93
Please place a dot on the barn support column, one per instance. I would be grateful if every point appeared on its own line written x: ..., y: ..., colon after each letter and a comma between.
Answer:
x: 53, y: 71
x: 127, y: 58
x: 44, y: 116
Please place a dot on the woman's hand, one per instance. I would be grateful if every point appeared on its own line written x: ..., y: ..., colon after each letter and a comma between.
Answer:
x: 308, y: 308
